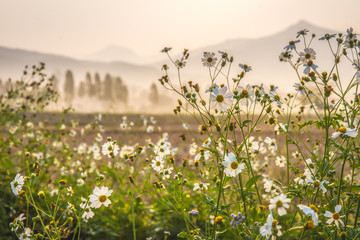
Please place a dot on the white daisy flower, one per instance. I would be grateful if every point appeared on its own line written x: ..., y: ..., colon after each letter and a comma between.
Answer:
x: 318, y: 183
x: 220, y: 99
x: 84, y: 203
x: 280, y: 161
x: 308, y: 66
x: 110, y: 149
x: 345, y: 131
x: 310, y: 210
x: 268, y: 185
x: 307, y: 55
x: 26, y: 235
x: 167, y: 172
x: 100, y: 197
x: 150, y: 129
x: 300, y: 88
x: 291, y: 45
x: 334, y: 217
x: 158, y: 163
x: 17, y: 222
x: 271, y: 142
x: 232, y: 167
x: 207, y: 143
x: 193, y: 149
x: 205, y: 155
x: 285, y: 56
x: 275, y: 98
x: 201, y: 186
x: 270, y: 225
x: 17, y: 184
x: 245, y: 67
x: 209, y: 59
x: 303, y: 177
x: 247, y: 94
x: 281, y: 203
x: 88, y: 214
x: 180, y: 63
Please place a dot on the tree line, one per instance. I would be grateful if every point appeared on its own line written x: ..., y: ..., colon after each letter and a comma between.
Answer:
x: 109, y: 89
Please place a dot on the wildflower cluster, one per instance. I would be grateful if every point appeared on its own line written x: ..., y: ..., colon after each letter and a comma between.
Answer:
x: 262, y: 164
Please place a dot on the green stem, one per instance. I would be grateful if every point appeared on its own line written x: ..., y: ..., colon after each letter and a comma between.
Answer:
x: 133, y: 213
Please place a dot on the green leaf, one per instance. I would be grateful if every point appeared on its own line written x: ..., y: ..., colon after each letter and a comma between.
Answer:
x: 184, y: 235
x: 306, y: 124
x: 252, y: 181
x: 294, y: 231
x: 244, y: 124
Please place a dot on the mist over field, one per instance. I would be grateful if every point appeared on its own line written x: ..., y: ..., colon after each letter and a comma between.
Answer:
x: 96, y: 76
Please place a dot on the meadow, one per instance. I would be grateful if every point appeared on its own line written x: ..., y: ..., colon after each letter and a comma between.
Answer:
x: 233, y: 161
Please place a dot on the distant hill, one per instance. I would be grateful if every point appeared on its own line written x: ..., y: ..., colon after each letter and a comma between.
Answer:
x: 12, y: 61
x: 263, y: 55
x: 115, y: 53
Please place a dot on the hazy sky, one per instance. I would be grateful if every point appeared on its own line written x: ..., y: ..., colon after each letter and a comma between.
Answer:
x: 80, y: 27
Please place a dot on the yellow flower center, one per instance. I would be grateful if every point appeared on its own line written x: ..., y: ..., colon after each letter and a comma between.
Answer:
x: 218, y: 220
x: 271, y: 121
x: 209, y: 59
x: 102, y: 198
x: 301, y: 87
x: 277, y: 98
x: 310, y: 63
x: 220, y: 98
x: 158, y: 163
x: 291, y: 43
x: 244, y: 92
x: 309, y: 225
x: 234, y: 165
x: 316, y: 183
x: 279, y: 203
x: 262, y: 207
x: 274, y: 224
x: 313, y: 207
x: 307, y: 55
x: 246, y: 66
x: 342, y: 129
x: 336, y: 216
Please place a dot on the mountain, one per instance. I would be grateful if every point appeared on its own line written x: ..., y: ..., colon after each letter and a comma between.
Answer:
x: 114, y: 53
x: 263, y: 55
x: 12, y: 61
x: 260, y: 53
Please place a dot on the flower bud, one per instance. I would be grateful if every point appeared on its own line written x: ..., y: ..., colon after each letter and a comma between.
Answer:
x: 41, y: 194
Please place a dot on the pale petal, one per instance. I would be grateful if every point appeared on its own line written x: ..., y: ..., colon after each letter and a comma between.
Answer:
x: 281, y: 211
x: 107, y: 202
x: 338, y: 208
x: 336, y: 134
x: 222, y: 90
x: 96, y: 191
x: 315, y: 218
x: 330, y: 221
x: 109, y: 193
x: 93, y: 198
x: 225, y: 163
x: 328, y: 214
